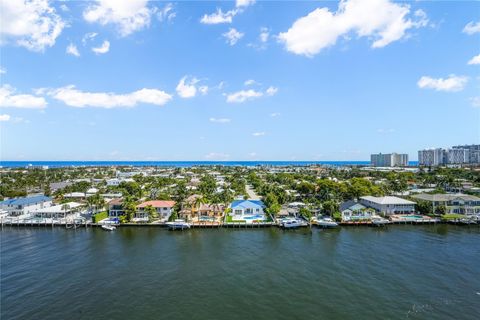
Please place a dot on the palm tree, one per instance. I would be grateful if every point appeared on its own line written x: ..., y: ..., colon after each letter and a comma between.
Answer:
x: 152, y: 212
x: 198, y: 203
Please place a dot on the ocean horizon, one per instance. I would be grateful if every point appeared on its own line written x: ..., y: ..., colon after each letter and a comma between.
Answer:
x: 59, y: 164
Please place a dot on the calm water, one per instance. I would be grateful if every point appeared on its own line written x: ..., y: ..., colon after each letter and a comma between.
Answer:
x: 57, y: 164
x: 402, y: 272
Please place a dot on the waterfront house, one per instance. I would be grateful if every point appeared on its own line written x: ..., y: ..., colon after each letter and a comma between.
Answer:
x: 354, y: 211
x: 458, y: 203
x: 59, y: 211
x: 21, y: 206
x: 115, y: 208
x: 388, y: 205
x: 247, y: 209
x: 75, y: 196
x: 163, y: 208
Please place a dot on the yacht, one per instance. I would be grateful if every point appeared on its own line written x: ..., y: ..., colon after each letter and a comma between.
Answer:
x: 291, y: 223
x: 379, y: 221
x: 108, y: 227
x: 325, y: 222
x: 178, y: 224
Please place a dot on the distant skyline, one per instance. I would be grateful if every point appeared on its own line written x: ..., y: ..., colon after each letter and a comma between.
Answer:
x: 236, y: 81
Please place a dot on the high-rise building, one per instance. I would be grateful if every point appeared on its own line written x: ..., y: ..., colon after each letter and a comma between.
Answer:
x: 468, y: 154
x: 389, y: 160
x: 432, y: 157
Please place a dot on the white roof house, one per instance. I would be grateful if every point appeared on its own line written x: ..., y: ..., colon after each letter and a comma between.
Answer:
x: 388, y: 205
x: 61, y: 210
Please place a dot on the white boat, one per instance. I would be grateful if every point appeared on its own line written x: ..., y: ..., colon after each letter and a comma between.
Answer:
x: 325, y: 222
x: 379, y: 221
x: 178, y: 224
x: 291, y: 223
x: 108, y: 227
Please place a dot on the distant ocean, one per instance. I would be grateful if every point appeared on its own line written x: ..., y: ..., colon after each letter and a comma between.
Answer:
x: 180, y: 164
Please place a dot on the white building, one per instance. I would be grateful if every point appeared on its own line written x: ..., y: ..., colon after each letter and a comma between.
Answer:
x: 21, y: 206
x: 59, y: 211
x: 389, y: 160
x: 388, y: 205
x: 458, y: 156
x: 432, y: 157
x: 163, y: 208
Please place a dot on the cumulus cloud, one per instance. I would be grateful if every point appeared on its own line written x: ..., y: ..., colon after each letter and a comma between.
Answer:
x: 249, y: 82
x: 271, y: 91
x: 380, y: 20
x: 475, y: 60
x: 72, y: 50
x: 232, y: 36
x: 220, y: 120
x: 472, y: 28
x: 217, y: 156
x: 274, y: 114
x: 8, y: 98
x: 3, y: 70
x: 4, y: 117
x: 219, y: 17
x: 186, y: 87
x: 452, y: 83
x: 258, y: 134
x: 244, y: 3
x: 245, y: 95
x: 128, y: 16
x: 104, y: 48
x: 203, y: 90
x: 33, y: 24
x: 264, y: 35
x: 80, y: 99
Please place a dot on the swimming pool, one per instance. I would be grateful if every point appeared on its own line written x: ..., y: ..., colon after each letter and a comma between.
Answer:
x: 254, y: 217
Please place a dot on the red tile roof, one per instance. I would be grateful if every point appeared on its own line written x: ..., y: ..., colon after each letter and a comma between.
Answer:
x: 157, y: 204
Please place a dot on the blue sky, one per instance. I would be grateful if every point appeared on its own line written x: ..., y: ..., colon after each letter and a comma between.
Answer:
x: 245, y: 80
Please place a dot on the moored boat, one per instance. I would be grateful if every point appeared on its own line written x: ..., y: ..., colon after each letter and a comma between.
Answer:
x: 325, y: 222
x: 108, y: 227
x: 379, y: 221
x: 292, y: 223
x: 178, y: 224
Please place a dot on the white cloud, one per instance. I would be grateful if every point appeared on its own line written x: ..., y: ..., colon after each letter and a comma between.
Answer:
x: 274, y: 114
x: 244, y: 3
x: 88, y: 37
x: 258, y: 134
x: 104, y: 48
x: 380, y: 20
x: 243, y: 95
x: 475, y: 101
x: 186, y: 88
x: 271, y: 91
x: 252, y: 154
x: 8, y: 98
x: 451, y: 84
x: 72, y: 49
x: 264, y: 35
x: 472, y: 28
x: 475, y: 60
x: 219, y: 17
x: 220, y: 120
x: 217, y: 156
x: 76, y: 98
x: 167, y: 13
x: 249, y: 82
x: 34, y: 24
x: 4, y: 117
x: 203, y: 90
x: 232, y: 36
x: 3, y: 70
x: 129, y: 16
